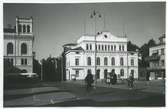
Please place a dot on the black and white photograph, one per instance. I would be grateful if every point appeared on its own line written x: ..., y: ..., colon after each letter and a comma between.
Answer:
x: 98, y: 54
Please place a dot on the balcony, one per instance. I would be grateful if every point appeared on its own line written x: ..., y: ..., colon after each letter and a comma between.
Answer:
x: 154, y: 57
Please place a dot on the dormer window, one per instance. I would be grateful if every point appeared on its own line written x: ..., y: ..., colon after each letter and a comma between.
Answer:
x: 105, y: 36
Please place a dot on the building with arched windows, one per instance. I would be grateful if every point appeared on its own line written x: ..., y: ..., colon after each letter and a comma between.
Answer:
x: 18, y: 44
x: 111, y: 57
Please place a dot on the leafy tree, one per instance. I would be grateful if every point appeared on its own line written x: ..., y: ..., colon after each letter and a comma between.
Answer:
x: 131, y: 46
x: 144, y: 50
x: 36, y: 67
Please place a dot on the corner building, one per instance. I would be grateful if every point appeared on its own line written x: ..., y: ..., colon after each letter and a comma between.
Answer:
x: 111, y: 56
x: 18, y: 44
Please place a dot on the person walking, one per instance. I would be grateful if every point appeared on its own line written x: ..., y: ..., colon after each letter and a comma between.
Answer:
x: 89, y: 80
x: 131, y: 80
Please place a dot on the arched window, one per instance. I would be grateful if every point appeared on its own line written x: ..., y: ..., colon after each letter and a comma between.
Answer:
x: 28, y: 28
x: 105, y: 61
x: 19, y: 28
x: 122, y: 72
x: 98, y: 61
x: 23, y: 48
x: 89, y: 61
x: 10, y: 48
x: 112, y: 61
x: 119, y: 47
x: 132, y: 62
x: 121, y: 61
x: 24, y: 28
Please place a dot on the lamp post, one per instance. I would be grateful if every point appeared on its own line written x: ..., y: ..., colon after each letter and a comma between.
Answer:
x: 41, y: 70
x: 95, y: 14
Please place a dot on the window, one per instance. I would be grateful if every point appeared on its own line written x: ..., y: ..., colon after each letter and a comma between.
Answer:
x: 132, y: 73
x: 10, y: 61
x: 28, y: 28
x: 19, y: 28
x: 9, y: 48
x: 105, y: 61
x: 105, y: 73
x: 121, y: 61
x: 122, y: 72
x: 98, y: 74
x: 96, y: 47
x: 23, y: 61
x: 90, y: 46
x: 76, y: 61
x: 89, y: 61
x: 108, y: 47
x: 114, y: 47
x: 119, y: 47
x: 122, y: 48
x: 77, y: 73
x: 23, y: 48
x: 111, y: 48
x: 112, y: 61
x: 99, y: 47
x: 24, y: 28
x: 102, y: 47
x: 162, y: 51
x: 89, y: 71
x: 132, y: 62
x: 162, y: 62
x: 98, y: 61
x: 105, y: 47
x: 87, y: 47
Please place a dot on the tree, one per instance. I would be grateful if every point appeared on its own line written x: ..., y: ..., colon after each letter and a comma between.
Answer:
x: 144, y: 50
x: 131, y: 47
x: 36, y: 67
x: 51, y: 69
x: 9, y: 68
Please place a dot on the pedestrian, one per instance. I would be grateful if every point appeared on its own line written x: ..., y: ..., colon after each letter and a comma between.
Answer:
x: 89, y: 80
x: 114, y: 78
x: 130, y: 81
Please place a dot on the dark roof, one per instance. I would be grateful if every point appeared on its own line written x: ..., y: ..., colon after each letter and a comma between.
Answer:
x: 9, y: 30
x: 70, y: 44
x: 78, y: 48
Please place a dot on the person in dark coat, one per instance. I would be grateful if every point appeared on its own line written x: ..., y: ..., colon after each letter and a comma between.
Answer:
x: 114, y: 78
x: 131, y: 80
x: 89, y: 80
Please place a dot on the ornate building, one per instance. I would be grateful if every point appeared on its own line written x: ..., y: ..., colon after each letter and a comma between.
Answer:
x: 111, y: 56
x: 156, y: 60
x: 18, y: 44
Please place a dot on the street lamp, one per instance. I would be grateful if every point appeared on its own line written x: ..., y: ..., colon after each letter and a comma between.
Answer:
x: 41, y: 70
x: 95, y: 14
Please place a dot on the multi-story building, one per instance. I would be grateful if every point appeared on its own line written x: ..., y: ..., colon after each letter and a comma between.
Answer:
x: 18, y: 44
x: 156, y: 60
x: 111, y: 56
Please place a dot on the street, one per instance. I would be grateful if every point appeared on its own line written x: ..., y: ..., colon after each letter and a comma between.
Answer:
x: 73, y: 93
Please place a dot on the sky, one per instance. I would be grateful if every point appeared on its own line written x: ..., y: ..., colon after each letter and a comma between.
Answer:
x: 59, y: 24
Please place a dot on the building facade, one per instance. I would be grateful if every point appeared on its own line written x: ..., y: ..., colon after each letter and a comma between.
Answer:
x: 18, y: 44
x: 111, y: 57
x: 156, y: 60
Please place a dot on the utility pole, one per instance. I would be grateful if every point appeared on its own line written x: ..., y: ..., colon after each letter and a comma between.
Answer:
x: 95, y: 14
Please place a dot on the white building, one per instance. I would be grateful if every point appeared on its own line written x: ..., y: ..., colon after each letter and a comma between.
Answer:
x: 111, y: 56
x: 18, y: 44
x: 156, y: 60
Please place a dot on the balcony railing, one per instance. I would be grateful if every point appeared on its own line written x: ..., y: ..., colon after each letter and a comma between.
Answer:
x: 152, y: 58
